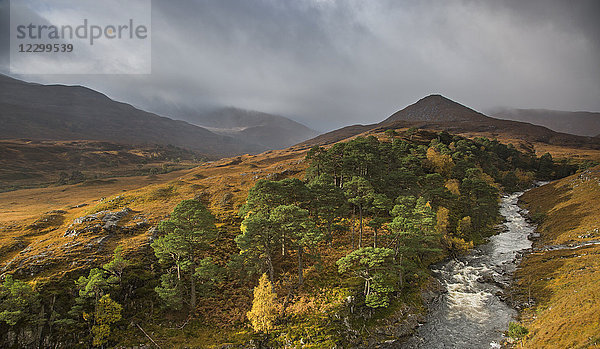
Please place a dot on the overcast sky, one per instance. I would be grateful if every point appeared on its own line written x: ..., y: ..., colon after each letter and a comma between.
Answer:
x: 331, y: 63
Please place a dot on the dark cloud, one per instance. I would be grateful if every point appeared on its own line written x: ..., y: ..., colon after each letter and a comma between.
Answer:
x: 331, y: 63
x: 5, y: 30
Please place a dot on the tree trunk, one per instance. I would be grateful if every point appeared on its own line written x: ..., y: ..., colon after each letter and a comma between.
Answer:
x: 300, y: 267
x: 361, y: 227
x: 353, y: 224
x: 270, y: 266
x: 401, y: 273
x: 40, y: 329
x: 375, y: 238
x: 51, y: 320
x: 193, y: 293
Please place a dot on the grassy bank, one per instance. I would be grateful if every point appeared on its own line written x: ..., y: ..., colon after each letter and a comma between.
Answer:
x: 561, y: 285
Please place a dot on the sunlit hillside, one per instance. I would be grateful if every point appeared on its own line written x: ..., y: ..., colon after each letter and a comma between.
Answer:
x: 559, y: 282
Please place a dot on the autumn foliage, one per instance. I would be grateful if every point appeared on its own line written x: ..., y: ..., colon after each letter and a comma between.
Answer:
x: 264, y: 306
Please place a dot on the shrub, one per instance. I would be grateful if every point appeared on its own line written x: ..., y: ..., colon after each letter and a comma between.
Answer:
x: 516, y: 330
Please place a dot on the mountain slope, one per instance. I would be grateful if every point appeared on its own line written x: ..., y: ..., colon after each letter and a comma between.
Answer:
x: 268, y: 130
x: 440, y: 113
x: 578, y: 123
x: 436, y: 108
x: 558, y: 283
x: 57, y: 112
x: 437, y: 112
x: 337, y: 135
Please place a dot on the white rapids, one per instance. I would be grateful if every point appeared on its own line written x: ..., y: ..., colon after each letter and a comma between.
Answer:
x: 471, y: 313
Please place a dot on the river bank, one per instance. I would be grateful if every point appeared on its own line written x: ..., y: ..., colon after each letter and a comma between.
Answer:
x: 558, y: 283
x: 472, y: 311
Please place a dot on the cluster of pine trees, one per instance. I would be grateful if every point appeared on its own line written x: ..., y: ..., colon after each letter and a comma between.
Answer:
x: 421, y: 200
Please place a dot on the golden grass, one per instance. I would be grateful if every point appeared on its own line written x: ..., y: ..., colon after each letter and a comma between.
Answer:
x: 26, y: 204
x: 224, y: 184
x: 564, y: 283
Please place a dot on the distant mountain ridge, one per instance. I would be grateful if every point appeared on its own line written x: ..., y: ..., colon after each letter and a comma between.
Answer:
x: 268, y: 130
x: 58, y: 112
x: 580, y: 123
x: 440, y: 113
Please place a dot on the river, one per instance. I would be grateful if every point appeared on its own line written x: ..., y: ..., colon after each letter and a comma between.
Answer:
x: 471, y: 313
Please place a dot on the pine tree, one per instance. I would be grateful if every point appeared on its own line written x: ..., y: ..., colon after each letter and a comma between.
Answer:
x: 413, y: 231
x: 375, y: 267
x: 545, y: 167
x: 263, y: 314
x: 259, y: 240
x: 479, y: 200
x: 189, y: 233
x: 94, y: 304
x: 107, y: 313
x: 266, y: 195
x: 328, y: 202
x: 94, y: 286
x: 360, y: 193
x: 295, y: 225
x: 379, y: 208
x: 318, y: 161
x: 19, y: 308
x: 116, y: 266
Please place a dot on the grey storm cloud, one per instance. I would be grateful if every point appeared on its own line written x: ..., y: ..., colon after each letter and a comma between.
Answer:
x: 332, y: 63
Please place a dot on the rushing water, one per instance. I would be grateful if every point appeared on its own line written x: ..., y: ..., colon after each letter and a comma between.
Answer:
x: 471, y: 313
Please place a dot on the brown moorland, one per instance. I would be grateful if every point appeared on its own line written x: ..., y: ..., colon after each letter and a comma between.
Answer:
x: 30, y: 163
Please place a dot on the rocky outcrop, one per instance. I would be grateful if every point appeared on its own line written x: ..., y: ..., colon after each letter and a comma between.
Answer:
x: 106, y: 221
x: 84, y: 240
